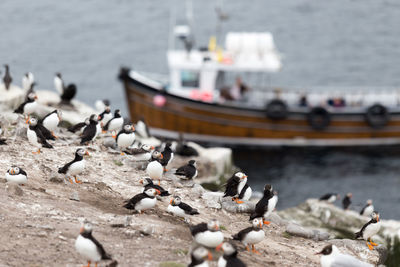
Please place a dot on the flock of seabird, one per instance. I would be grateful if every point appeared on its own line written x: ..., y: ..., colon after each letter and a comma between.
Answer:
x: 207, y: 235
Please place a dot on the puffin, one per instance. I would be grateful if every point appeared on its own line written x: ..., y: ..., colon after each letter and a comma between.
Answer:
x: 105, y: 116
x: 66, y: 93
x: 185, y: 150
x: 207, y: 234
x: 27, y: 81
x: 51, y: 120
x: 188, y: 171
x: 331, y: 257
x: 79, y: 127
x: 76, y: 166
x: 7, y: 79
x: 16, y: 175
x: 330, y: 197
x: 347, y: 201
x: 2, y: 140
x: 154, y: 168
x: 142, y: 129
x: 143, y: 201
x: 88, y: 247
x: 140, y: 154
x: 199, y: 257
x: 251, y: 235
x: 370, y: 229
x: 125, y: 137
x: 266, y: 205
x: 229, y: 258
x: 178, y: 208
x: 367, y: 209
x: 148, y: 183
x: 168, y: 156
x: 90, y: 132
x: 29, y: 106
x: 35, y: 135
x: 237, y: 188
x: 116, y: 123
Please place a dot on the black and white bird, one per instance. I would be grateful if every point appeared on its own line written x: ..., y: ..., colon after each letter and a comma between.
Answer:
x: 367, y: 209
x: 229, y: 258
x: 330, y: 197
x: 116, y: 123
x: 76, y: 166
x: 188, y: 171
x: 35, y: 135
x: 29, y: 106
x: 67, y: 93
x: 31, y: 90
x: 90, y: 132
x: 7, y: 79
x: 143, y: 201
x: 331, y: 257
x: 27, y: 80
x: 181, y: 209
x: 184, y: 149
x: 154, y: 168
x: 16, y: 175
x: 199, y: 257
x: 207, y: 234
x: 125, y: 137
x: 168, y: 156
x: 251, y: 235
x: 51, y: 120
x: 2, y: 140
x: 148, y: 183
x: 237, y: 188
x: 266, y: 205
x: 370, y: 229
x: 88, y: 247
x: 142, y: 129
x: 140, y: 154
x: 347, y: 201
x: 105, y: 116
x: 79, y: 127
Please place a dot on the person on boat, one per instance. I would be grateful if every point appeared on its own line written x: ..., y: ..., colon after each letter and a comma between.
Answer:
x: 235, y: 92
x: 337, y: 102
x: 303, y: 101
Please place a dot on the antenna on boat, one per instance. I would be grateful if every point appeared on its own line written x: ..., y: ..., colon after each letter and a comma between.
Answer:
x: 221, y: 17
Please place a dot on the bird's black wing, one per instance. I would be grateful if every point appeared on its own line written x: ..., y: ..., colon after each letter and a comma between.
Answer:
x: 64, y: 169
x: 202, y: 227
x: 164, y: 192
x: 326, y: 196
x: 20, y: 108
x: 181, y: 170
x: 88, y: 133
x: 360, y: 233
x: 188, y: 209
x: 363, y: 209
x: 241, y: 195
x: 3, y: 142
x: 261, y: 208
x: 76, y: 127
x: 134, y: 200
x: 42, y: 139
x: 242, y: 234
x: 346, y: 202
x: 46, y: 133
x: 101, y: 115
x: 100, y: 249
x: 69, y: 93
x: 21, y: 171
x: 231, y: 186
x: 234, y: 262
x: 135, y: 151
x: 108, y: 124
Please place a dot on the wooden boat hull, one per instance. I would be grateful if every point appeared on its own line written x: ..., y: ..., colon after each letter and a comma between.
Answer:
x: 200, y: 121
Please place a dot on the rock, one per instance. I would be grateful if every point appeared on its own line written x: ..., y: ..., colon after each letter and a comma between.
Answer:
x: 74, y: 196
x: 276, y: 219
x: 14, y: 189
x: 197, y: 190
x: 232, y: 206
x: 110, y: 142
x: 56, y: 178
x: 121, y: 221
x: 147, y: 230
x: 21, y: 132
x: 213, y: 199
x: 297, y: 230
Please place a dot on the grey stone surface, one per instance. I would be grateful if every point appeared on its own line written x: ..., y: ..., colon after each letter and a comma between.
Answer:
x: 232, y: 206
x: 298, y: 230
x: 14, y: 189
x: 74, y: 196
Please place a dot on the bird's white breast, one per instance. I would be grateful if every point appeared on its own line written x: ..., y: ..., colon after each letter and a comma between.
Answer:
x: 116, y: 124
x: 58, y: 84
x: 98, y: 130
x: 19, y: 178
x: 175, y: 210
x: 76, y: 167
x: 146, y: 203
x: 326, y: 260
x: 271, y: 206
x: 254, y: 237
x: 332, y: 199
x: 32, y: 137
x: 210, y: 239
x: 247, y: 193
x: 371, y: 230
x: 125, y: 140
x: 142, y: 157
x: 51, y: 122
x: 368, y: 210
x: 203, y: 264
x: 30, y: 108
x: 155, y: 170
x: 87, y: 249
x: 222, y: 262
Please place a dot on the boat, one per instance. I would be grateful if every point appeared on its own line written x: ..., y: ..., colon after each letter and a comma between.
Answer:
x: 222, y: 95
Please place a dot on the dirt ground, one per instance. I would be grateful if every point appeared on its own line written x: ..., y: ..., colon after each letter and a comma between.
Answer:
x: 39, y: 227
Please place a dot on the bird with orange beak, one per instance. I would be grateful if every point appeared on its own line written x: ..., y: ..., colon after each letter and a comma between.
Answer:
x: 125, y: 137
x: 154, y: 169
x: 207, y: 234
x: 76, y: 166
x: 16, y: 175
x: 251, y: 235
x: 143, y: 201
x: 199, y: 257
x: 28, y: 107
x: 140, y: 154
x: 178, y: 208
x: 238, y: 188
x: 148, y: 183
x: 370, y: 229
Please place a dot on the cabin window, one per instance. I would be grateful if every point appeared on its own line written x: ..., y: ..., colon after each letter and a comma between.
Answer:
x: 190, y: 78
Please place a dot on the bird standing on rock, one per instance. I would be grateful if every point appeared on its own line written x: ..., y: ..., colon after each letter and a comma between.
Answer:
x: 35, y: 135
x: 266, y: 205
x: 154, y: 168
x: 76, y: 166
x: 251, y: 235
x: 51, y: 120
x: 237, y: 188
x: 229, y: 258
x: 16, y: 175
x: 79, y: 127
x: 105, y: 116
x: 66, y: 93
x: 143, y: 201
x: 148, y: 183
x: 199, y: 257
x: 90, y: 132
x: 331, y: 257
x: 370, y: 229
x: 368, y: 209
x: 125, y: 137
x: 7, y: 79
x: 180, y: 209
x: 88, y: 247
x: 140, y: 154
x: 116, y: 123
x: 29, y: 106
x: 168, y: 156
x: 207, y: 234
x: 330, y: 197
x: 347, y: 201
x: 188, y: 171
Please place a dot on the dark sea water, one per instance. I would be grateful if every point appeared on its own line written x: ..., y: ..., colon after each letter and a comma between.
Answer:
x: 324, y: 43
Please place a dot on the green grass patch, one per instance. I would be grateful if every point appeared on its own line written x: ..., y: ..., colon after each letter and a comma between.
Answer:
x: 286, y: 235
x: 118, y: 163
x: 393, y: 257
x: 222, y: 227
x: 171, y: 264
x: 180, y: 251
